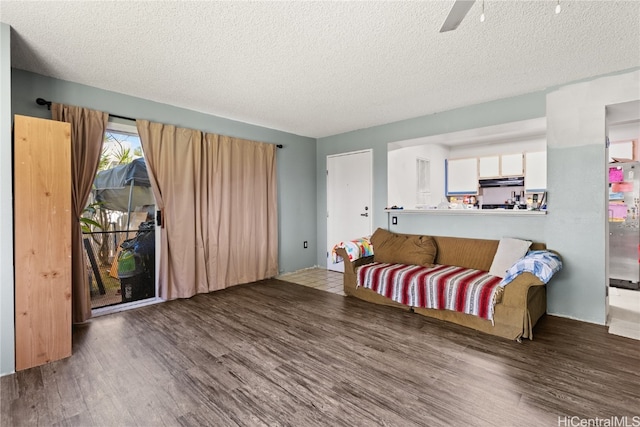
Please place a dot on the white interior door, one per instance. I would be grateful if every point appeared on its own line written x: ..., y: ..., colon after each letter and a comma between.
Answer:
x: 349, y: 195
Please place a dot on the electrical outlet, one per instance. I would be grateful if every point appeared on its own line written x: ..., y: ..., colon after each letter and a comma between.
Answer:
x: 394, y: 220
x: 305, y: 244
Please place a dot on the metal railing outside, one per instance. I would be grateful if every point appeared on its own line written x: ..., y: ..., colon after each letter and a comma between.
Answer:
x: 101, y: 259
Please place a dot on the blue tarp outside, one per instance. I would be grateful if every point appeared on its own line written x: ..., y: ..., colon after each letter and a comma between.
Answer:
x: 113, y: 186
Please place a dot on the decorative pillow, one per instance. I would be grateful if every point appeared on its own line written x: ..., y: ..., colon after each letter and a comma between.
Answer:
x: 542, y: 264
x: 509, y: 251
x: 409, y: 249
x: 356, y: 249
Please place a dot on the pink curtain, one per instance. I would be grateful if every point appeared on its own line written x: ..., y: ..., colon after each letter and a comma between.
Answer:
x: 218, y: 198
x: 87, y: 135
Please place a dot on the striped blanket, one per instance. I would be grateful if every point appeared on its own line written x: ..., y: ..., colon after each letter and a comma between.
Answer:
x: 441, y: 287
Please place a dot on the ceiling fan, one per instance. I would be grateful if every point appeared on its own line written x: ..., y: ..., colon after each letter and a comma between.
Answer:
x: 456, y: 14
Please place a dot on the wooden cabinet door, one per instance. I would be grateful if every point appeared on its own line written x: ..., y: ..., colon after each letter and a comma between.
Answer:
x: 42, y: 212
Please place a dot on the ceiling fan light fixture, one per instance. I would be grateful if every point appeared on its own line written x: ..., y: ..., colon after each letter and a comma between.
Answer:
x: 461, y: 7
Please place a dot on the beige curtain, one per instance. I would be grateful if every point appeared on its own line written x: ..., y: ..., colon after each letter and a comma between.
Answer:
x: 218, y: 198
x: 87, y: 135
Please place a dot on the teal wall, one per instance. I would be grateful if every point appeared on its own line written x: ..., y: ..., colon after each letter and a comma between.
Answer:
x: 507, y: 110
x: 479, y: 226
x: 302, y: 182
x: 296, y: 161
x: 576, y: 225
x: 7, y: 340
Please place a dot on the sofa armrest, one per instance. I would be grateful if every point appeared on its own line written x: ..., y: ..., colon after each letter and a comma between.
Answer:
x: 350, y: 266
x: 516, y: 292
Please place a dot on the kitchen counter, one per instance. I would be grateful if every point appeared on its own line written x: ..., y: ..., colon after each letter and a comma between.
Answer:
x: 473, y: 223
x: 482, y: 212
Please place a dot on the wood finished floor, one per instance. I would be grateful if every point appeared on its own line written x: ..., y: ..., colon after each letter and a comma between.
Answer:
x: 276, y: 353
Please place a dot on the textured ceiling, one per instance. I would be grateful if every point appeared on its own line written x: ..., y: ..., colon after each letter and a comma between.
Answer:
x: 321, y: 68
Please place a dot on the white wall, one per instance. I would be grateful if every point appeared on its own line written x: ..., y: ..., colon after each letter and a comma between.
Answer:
x: 7, y: 340
x: 402, y: 177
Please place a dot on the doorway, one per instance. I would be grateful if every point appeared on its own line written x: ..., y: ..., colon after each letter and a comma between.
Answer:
x: 119, y: 233
x: 349, y: 196
x: 623, y: 249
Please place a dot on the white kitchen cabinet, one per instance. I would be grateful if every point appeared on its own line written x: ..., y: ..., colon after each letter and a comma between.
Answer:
x: 499, y: 166
x: 535, y: 176
x: 489, y: 167
x: 462, y: 176
x: 511, y: 165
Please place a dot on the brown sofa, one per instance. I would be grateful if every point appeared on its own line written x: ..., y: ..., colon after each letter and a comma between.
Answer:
x: 524, y: 300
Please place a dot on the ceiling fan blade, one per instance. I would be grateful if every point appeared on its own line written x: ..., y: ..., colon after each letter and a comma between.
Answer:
x: 456, y: 15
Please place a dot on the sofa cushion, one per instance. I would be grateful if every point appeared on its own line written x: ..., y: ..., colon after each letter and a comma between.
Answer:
x: 395, y: 248
x: 476, y: 254
x: 509, y: 251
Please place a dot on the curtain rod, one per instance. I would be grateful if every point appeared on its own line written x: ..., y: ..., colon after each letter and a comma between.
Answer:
x: 43, y: 102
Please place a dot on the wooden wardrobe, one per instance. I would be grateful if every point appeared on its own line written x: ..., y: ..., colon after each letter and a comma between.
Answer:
x: 42, y: 228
